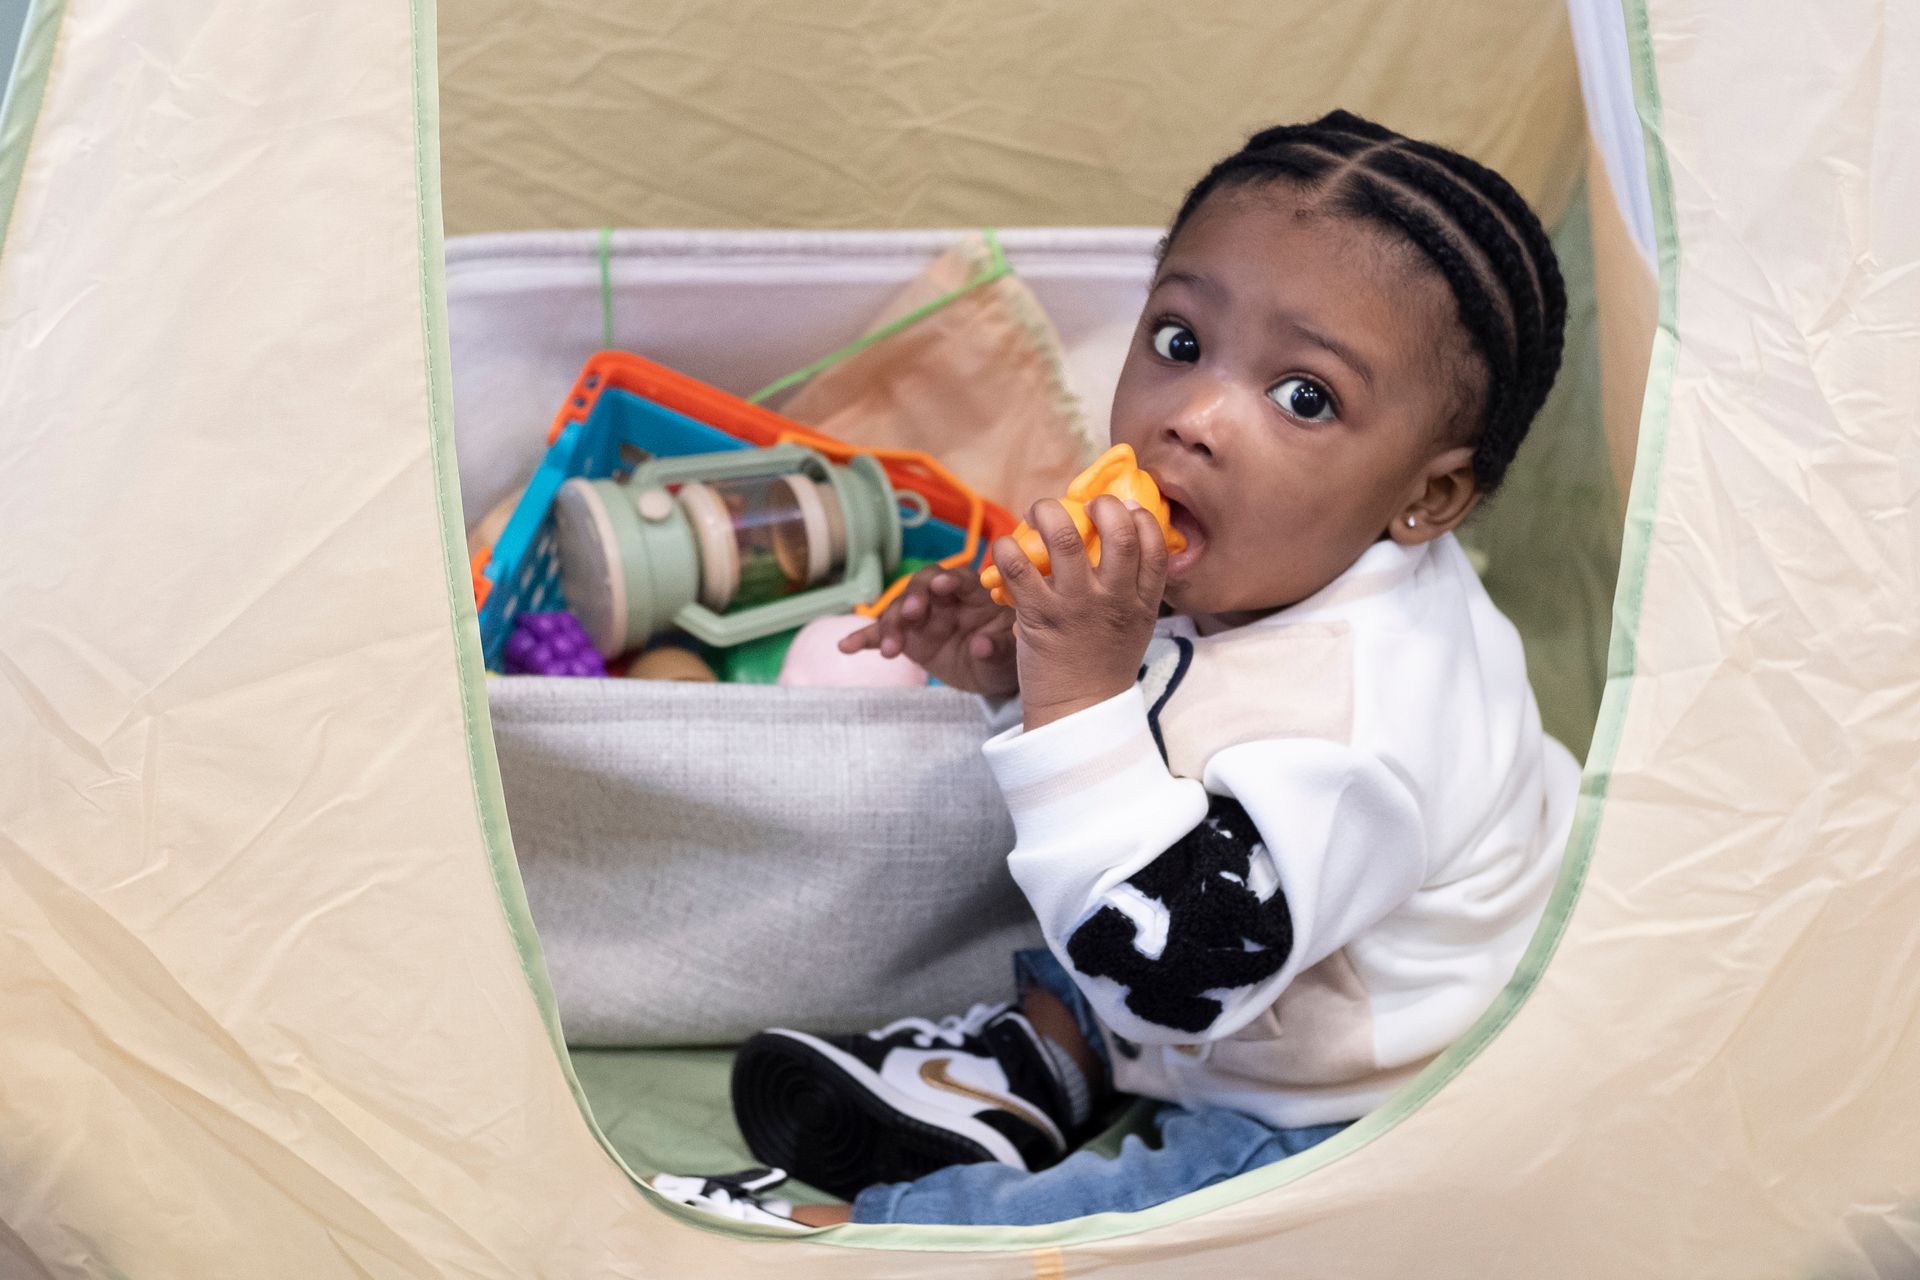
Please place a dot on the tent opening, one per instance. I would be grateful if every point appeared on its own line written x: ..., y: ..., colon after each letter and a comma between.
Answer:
x: 658, y: 827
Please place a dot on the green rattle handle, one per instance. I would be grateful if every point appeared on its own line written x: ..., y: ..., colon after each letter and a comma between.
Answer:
x: 724, y: 630
x: 738, y: 464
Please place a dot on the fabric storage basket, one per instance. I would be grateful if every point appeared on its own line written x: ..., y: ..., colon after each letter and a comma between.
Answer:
x: 704, y: 861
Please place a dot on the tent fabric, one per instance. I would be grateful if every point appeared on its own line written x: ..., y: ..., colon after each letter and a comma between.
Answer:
x: 272, y: 1005
x: 670, y: 1109
x: 960, y: 113
x: 263, y: 1015
x: 1626, y: 306
x: 1613, y: 121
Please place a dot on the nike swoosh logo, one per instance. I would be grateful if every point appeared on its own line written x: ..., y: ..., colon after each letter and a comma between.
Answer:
x: 934, y: 1073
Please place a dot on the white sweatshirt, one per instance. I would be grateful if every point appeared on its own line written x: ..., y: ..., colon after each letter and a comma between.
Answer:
x: 1303, y: 855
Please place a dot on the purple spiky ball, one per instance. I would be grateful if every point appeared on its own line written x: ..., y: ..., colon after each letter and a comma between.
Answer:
x: 552, y: 643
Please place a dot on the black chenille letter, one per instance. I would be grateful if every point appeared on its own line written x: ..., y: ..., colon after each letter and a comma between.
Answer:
x: 1219, y: 934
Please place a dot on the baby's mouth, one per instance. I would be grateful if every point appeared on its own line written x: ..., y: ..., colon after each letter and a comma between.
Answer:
x: 1183, y: 519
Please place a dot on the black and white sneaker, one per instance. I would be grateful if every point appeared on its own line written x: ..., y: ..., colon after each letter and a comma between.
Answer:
x: 847, y: 1112
x: 731, y: 1195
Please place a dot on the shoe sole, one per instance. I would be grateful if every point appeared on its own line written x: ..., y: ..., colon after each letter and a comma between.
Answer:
x: 824, y: 1116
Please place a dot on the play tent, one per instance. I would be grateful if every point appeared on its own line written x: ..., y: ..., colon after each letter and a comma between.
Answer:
x: 270, y: 1000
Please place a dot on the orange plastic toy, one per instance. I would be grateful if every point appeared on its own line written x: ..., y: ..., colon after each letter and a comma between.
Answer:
x: 1116, y: 472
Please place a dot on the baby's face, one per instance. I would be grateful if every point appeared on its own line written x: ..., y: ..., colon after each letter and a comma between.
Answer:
x: 1286, y: 388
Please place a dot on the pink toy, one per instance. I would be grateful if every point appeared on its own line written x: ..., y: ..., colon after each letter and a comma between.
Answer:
x: 815, y: 661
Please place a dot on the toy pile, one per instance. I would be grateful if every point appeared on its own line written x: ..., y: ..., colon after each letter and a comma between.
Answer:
x: 675, y: 532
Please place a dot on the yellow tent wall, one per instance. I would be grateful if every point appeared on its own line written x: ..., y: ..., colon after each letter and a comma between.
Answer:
x: 960, y: 113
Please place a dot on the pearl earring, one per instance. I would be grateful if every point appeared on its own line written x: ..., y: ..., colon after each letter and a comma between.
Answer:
x: 1410, y: 522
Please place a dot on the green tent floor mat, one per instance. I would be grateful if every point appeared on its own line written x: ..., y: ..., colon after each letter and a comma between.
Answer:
x: 666, y: 1110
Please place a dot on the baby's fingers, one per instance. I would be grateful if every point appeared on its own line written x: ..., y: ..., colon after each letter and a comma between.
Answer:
x: 991, y: 644
x: 867, y: 637
x: 892, y: 627
x: 1152, y: 578
x: 905, y: 615
x: 962, y: 592
x: 913, y: 603
x: 1066, y: 547
x: 958, y: 587
x: 1024, y: 583
x: 1119, y: 542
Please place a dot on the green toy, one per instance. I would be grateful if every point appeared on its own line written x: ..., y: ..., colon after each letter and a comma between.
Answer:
x: 728, y: 547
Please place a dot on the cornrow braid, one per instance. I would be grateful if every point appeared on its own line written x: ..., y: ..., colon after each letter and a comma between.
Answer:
x: 1476, y: 306
x: 1513, y: 274
x: 1520, y: 216
x: 1521, y: 309
x: 1466, y: 220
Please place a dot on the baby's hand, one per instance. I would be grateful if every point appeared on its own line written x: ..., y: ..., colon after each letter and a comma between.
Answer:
x: 946, y: 622
x: 1084, y: 629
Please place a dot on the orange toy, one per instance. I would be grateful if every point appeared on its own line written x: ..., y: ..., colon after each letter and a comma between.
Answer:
x: 1116, y: 472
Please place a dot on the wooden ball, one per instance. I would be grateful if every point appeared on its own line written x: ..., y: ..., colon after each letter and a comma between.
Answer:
x: 670, y: 662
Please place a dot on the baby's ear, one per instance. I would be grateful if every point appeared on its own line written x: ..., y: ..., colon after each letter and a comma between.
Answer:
x: 1443, y: 496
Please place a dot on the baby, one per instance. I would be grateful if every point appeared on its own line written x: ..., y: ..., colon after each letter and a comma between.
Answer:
x: 1283, y: 805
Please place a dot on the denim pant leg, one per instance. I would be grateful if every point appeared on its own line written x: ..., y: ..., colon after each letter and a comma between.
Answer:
x: 1039, y: 967
x: 1197, y: 1149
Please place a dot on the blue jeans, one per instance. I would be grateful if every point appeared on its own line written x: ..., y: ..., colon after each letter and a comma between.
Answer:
x: 1197, y: 1148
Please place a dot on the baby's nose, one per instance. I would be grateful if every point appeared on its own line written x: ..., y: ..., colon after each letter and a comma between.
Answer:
x: 1196, y: 423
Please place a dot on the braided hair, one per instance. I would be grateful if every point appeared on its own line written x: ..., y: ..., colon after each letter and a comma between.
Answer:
x: 1466, y: 221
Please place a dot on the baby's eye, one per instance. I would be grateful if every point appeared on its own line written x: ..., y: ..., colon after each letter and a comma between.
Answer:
x: 1304, y: 398
x: 1176, y: 342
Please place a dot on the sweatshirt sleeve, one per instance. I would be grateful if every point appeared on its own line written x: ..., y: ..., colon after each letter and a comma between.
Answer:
x: 1183, y: 908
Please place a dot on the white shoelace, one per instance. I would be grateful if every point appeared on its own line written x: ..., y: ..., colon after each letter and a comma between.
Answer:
x: 952, y: 1029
